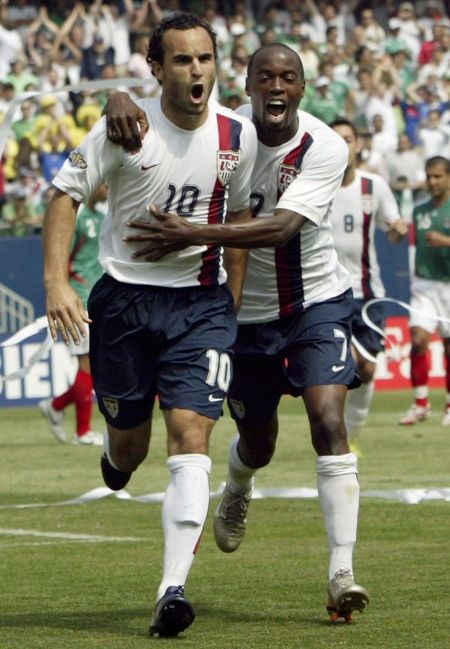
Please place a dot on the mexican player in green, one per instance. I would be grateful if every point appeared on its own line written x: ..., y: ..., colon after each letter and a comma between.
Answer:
x: 430, y: 288
x: 84, y: 270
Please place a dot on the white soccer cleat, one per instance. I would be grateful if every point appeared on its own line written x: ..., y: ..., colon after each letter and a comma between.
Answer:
x: 230, y: 519
x: 344, y: 596
x: 415, y: 414
x: 446, y: 418
x: 54, y: 419
x: 91, y: 438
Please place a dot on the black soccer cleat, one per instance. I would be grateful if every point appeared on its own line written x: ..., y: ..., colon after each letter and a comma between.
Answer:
x: 173, y: 614
x: 114, y: 479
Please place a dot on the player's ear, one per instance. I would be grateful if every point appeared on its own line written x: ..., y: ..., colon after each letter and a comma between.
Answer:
x: 247, y: 91
x: 157, y: 71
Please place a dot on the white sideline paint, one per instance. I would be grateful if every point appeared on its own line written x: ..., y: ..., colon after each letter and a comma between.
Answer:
x: 406, y: 496
x: 92, y: 538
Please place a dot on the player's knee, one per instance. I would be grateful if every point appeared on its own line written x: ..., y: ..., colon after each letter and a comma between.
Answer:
x: 419, y: 340
x: 260, y: 453
x: 127, y: 456
x: 328, y: 434
x: 366, y: 371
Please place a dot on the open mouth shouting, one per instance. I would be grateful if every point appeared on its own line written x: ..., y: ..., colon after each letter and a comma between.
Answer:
x: 276, y: 109
x: 197, y: 92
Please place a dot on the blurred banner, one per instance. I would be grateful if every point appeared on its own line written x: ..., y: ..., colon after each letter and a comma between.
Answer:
x: 393, y: 365
x: 53, y: 375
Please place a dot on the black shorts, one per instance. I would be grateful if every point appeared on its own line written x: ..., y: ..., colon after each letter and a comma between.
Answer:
x: 287, y: 356
x: 149, y: 340
x: 365, y: 336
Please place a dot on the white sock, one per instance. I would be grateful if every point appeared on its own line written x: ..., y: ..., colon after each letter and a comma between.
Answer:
x: 106, y: 449
x: 357, y: 406
x: 184, y: 513
x: 421, y: 392
x: 338, y: 488
x: 240, y: 476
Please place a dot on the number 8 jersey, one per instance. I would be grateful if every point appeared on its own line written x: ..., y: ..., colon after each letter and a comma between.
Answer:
x: 197, y: 174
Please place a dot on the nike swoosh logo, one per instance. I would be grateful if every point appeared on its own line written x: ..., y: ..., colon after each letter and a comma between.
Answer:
x: 147, y: 167
x: 337, y: 368
x: 211, y: 398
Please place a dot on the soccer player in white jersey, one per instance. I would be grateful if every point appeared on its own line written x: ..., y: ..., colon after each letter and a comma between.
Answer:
x: 161, y: 328
x: 363, y: 203
x: 297, y: 306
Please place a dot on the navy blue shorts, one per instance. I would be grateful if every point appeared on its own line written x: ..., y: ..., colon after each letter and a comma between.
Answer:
x: 287, y: 356
x: 150, y: 340
x: 367, y: 337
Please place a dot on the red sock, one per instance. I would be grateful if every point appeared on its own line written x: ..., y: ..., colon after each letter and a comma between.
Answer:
x: 82, y: 395
x: 419, y: 369
x: 64, y: 400
x: 447, y: 375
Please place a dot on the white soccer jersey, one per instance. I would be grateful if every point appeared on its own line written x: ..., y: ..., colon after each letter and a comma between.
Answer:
x: 196, y: 174
x: 301, y: 175
x: 357, y: 210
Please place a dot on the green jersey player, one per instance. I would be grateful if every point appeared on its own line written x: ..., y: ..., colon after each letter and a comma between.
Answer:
x: 430, y: 286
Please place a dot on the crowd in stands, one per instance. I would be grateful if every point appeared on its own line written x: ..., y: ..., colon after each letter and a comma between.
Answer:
x: 383, y: 64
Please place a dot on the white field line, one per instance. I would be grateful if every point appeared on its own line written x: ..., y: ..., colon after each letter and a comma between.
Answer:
x: 411, y: 496
x: 91, y: 538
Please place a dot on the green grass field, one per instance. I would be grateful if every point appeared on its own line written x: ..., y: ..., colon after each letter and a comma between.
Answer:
x: 63, y: 591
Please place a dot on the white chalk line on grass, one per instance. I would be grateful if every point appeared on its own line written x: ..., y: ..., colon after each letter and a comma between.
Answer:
x: 68, y: 536
x: 406, y: 496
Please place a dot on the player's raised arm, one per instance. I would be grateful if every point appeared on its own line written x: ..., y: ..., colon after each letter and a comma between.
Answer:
x: 126, y: 122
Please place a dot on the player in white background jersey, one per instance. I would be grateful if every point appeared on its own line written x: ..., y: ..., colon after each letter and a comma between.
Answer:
x: 297, y: 306
x: 363, y: 203
x: 164, y: 327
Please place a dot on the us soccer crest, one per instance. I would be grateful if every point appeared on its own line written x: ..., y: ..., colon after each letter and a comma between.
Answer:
x: 227, y: 162
x: 286, y: 174
x: 367, y: 203
x: 111, y: 405
x: 77, y: 160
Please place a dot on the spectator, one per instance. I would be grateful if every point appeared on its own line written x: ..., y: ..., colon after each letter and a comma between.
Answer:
x: 383, y: 140
x: 409, y: 30
x: 323, y: 103
x: 404, y: 169
x: 307, y: 53
x: 24, y: 126
x: 119, y: 16
x: 95, y: 58
x: 20, y: 75
x: 372, y: 31
x: 18, y: 15
x: 10, y: 48
x: 40, y: 38
x: 434, y: 136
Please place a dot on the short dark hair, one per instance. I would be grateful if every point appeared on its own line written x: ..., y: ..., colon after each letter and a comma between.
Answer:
x: 270, y: 46
x: 438, y: 160
x: 180, y: 20
x: 343, y: 121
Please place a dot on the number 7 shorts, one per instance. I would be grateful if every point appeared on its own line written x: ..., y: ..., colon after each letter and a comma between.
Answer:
x: 286, y: 356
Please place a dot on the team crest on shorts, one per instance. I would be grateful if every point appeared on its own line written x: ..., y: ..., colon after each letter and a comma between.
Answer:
x: 238, y: 408
x: 111, y: 405
x: 77, y: 160
x: 227, y: 162
x: 367, y: 203
x: 286, y: 174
